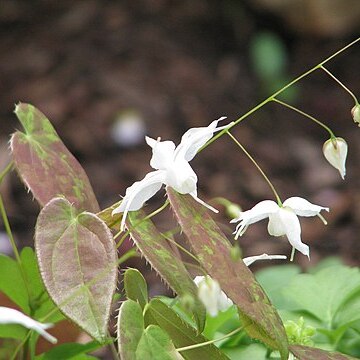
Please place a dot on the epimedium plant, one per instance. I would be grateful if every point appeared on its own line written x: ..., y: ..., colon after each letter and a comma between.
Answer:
x: 224, y: 313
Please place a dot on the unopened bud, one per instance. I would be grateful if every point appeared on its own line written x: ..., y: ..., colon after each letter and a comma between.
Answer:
x: 335, y: 151
x: 233, y: 210
x: 355, y: 112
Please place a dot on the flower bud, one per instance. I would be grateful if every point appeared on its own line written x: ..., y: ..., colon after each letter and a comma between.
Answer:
x: 355, y: 112
x: 335, y: 151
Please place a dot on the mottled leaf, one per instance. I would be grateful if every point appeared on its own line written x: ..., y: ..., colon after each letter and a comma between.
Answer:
x: 162, y: 258
x: 136, y: 287
x: 155, y: 344
x: 77, y: 260
x: 308, y: 353
x: 112, y: 221
x: 45, y: 165
x: 130, y: 328
x: 212, y: 248
x: 181, y: 333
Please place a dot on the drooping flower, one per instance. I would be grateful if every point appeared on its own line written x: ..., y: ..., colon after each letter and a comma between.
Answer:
x: 335, y: 151
x: 210, y: 293
x: 282, y: 220
x: 172, y: 168
x: 12, y: 316
x: 355, y: 112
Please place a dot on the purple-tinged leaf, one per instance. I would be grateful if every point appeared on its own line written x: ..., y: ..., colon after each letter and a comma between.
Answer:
x: 78, y: 264
x: 309, y: 353
x: 44, y: 163
x: 212, y: 248
x: 164, y: 260
x: 112, y: 221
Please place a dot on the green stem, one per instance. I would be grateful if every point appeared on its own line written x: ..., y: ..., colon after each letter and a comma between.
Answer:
x: 271, y: 97
x: 7, y: 169
x: 258, y: 167
x: 306, y: 115
x: 195, y: 346
x: 341, y: 84
x: 180, y: 247
x: 9, y: 232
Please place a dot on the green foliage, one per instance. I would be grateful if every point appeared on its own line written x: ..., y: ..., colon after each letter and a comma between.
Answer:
x: 130, y: 328
x: 136, y: 287
x: 78, y: 263
x: 155, y: 344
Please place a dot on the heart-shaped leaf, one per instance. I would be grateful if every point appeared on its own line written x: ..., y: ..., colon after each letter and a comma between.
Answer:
x: 44, y: 163
x: 77, y: 260
x: 212, y: 248
x: 155, y: 344
x: 130, y: 328
x: 309, y: 353
x: 136, y: 287
x: 164, y: 260
x: 181, y: 333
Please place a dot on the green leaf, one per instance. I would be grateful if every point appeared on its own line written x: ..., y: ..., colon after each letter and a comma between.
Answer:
x: 12, y: 331
x: 45, y: 165
x: 69, y: 351
x: 12, y: 283
x: 323, y: 293
x: 308, y: 353
x: 130, y: 328
x: 155, y: 344
x: 349, y: 311
x: 40, y: 302
x: 136, y: 287
x: 78, y: 264
x: 164, y: 260
x: 212, y: 248
x: 181, y: 333
x: 273, y: 279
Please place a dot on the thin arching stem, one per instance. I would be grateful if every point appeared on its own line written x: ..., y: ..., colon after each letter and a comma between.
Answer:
x: 340, y: 83
x: 271, y: 97
x: 258, y: 167
x: 306, y: 115
x: 195, y: 346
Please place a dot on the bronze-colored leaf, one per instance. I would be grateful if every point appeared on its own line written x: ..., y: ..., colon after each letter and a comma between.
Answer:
x: 78, y: 264
x: 309, y: 353
x: 212, y: 248
x: 44, y: 163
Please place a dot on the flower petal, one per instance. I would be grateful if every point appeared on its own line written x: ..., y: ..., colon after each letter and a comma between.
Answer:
x: 251, y: 259
x: 302, y: 207
x: 162, y: 153
x: 12, y: 316
x: 195, y: 138
x: 275, y: 225
x: 259, y: 212
x: 181, y: 177
x: 335, y: 151
x: 202, y: 202
x: 139, y: 192
x: 292, y: 227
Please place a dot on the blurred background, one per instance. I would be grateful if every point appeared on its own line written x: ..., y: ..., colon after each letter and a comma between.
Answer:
x: 108, y: 72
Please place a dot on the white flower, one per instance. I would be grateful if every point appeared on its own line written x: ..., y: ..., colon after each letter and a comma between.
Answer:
x: 335, y: 151
x: 355, y: 112
x: 282, y: 220
x: 172, y: 168
x: 12, y: 316
x: 210, y: 293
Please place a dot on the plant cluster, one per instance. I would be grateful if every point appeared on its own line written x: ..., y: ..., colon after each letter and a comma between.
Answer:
x: 225, y: 312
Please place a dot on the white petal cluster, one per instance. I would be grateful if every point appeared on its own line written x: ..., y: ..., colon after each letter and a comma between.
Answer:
x: 282, y: 220
x: 172, y: 168
x: 12, y: 316
x: 335, y: 151
x: 210, y: 293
